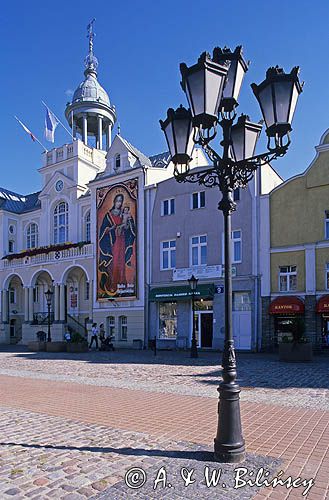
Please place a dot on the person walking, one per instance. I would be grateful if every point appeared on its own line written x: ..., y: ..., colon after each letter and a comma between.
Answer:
x: 101, y: 332
x: 94, y: 335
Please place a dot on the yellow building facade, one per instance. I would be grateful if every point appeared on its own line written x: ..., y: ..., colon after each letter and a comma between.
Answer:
x: 295, y: 254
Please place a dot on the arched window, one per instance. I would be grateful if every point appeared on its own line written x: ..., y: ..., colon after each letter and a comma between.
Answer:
x: 61, y: 223
x: 87, y: 227
x: 117, y: 162
x: 32, y: 235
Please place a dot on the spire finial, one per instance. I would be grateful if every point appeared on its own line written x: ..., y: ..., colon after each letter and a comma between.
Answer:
x: 91, y: 35
x: 91, y: 62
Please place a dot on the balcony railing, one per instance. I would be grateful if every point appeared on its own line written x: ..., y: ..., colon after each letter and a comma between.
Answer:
x: 41, y: 318
x: 76, y: 148
x: 51, y: 257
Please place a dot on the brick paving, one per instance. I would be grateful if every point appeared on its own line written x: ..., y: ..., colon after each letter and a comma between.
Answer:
x: 261, y: 376
x: 60, y: 435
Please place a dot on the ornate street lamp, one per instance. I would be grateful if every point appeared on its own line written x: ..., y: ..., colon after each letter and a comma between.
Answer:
x: 49, y: 296
x: 179, y: 134
x: 244, y: 136
x: 277, y: 96
x: 193, y: 282
x: 212, y: 88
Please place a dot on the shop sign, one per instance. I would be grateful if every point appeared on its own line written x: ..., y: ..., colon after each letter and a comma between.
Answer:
x: 181, y: 293
x: 184, y: 273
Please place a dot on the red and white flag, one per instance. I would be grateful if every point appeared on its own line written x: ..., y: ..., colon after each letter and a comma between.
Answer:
x: 26, y: 130
x: 33, y: 137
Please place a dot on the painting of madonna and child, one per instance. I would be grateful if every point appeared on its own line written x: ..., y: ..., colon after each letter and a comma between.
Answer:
x: 117, y: 243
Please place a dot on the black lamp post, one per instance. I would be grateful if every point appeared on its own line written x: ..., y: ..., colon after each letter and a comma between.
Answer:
x: 193, y: 282
x: 49, y: 296
x: 212, y: 88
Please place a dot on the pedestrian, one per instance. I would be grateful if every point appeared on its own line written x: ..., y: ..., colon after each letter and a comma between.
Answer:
x: 94, y: 335
x: 101, y: 332
x: 67, y: 335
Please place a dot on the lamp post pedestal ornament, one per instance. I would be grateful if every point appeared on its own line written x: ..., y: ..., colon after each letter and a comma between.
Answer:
x: 212, y: 87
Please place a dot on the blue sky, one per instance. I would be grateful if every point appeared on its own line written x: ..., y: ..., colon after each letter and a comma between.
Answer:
x: 139, y: 46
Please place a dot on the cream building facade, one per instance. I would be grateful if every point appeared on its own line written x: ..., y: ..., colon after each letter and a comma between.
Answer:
x: 295, y: 254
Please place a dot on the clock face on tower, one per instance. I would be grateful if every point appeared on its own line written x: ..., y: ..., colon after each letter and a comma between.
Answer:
x: 59, y: 186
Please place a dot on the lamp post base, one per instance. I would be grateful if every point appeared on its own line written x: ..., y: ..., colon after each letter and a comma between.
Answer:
x: 229, y: 443
x: 194, y: 349
x: 230, y: 457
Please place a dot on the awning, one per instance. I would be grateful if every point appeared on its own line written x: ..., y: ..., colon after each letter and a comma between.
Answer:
x: 323, y: 304
x: 287, y: 305
x: 173, y: 293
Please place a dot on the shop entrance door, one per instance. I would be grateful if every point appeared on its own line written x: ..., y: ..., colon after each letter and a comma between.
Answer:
x: 242, y: 330
x: 204, y: 328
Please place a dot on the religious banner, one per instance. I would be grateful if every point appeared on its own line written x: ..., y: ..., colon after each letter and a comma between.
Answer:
x: 117, y: 241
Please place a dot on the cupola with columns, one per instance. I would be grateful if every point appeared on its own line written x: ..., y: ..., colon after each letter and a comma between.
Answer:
x: 90, y: 113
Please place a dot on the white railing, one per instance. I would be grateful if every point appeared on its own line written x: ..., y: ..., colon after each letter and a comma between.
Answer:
x: 76, y: 148
x: 51, y: 257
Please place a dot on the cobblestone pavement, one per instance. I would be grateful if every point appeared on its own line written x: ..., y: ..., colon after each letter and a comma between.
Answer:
x: 262, y: 377
x: 72, y: 426
x: 39, y: 460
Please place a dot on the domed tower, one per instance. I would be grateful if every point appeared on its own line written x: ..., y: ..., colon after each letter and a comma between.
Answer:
x: 90, y: 113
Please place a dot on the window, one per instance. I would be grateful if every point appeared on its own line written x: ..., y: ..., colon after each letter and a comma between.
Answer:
x: 236, y: 246
x: 241, y: 301
x: 236, y: 237
x: 111, y: 326
x: 236, y: 194
x: 87, y: 290
x: 167, y: 320
x: 199, y: 250
x: 12, y: 295
x: 36, y: 294
x: 168, y: 254
x: 32, y: 235
x: 327, y: 276
x: 87, y: 227
x: 288, y: 278
x: 326, y: 228
x: 117, y: 162
x: 199, y: 199
x: 61, y: 223
x: 168, y: 207
x: 123, y: 327
x: 11, y: 246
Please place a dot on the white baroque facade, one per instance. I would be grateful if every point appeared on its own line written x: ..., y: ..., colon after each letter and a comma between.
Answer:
x: 49, y: 238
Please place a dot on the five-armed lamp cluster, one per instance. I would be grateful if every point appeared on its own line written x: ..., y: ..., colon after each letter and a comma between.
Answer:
x: 212, y: 88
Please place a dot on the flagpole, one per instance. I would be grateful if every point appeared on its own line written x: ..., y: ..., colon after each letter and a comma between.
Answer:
x: 29, y: 132
x: 58, y: 119
x: 72, y: 124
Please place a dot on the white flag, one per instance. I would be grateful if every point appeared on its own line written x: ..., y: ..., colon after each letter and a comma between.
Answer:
x: 51, y: 123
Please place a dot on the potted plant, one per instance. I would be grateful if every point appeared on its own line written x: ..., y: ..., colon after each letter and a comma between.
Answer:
x: 77, y: 344
x: 296, y: 347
